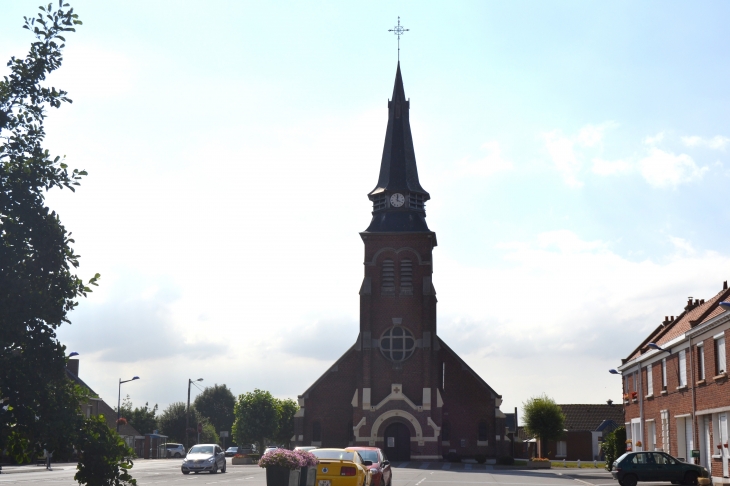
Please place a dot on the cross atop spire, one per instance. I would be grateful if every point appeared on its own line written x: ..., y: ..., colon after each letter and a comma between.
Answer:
x: 398, y: 30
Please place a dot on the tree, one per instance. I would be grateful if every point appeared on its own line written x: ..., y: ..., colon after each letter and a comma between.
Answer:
x: 37, y: 284
x: 257, y: 418
x: 614, y: 445
x: 171, y: 421
x: 285, y: 427
x: 104, y: 457
x: 544, y: 419
x: 216, y: 403
x: 143, y: 419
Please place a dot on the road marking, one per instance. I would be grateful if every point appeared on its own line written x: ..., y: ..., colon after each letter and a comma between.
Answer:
x: 419, y: 482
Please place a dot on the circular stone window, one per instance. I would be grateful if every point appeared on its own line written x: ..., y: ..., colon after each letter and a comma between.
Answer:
x: 397, y: 344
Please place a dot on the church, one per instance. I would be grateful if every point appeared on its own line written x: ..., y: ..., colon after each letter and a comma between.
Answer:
x: 400, y: 387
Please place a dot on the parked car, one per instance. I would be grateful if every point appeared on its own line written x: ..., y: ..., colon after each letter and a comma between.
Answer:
x: 270, y: 448
x: 204, y: 457
x: 175, y: 450
x: 305, y: 448
x: 231, y: 451
x: 655, y: 466
x: 341, y: 467
x: 380, y: 467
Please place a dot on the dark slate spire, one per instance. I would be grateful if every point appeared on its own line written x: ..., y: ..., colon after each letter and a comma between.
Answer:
x: 398, y: 198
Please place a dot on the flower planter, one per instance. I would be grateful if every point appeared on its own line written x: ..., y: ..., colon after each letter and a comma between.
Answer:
x: 237, y: 461
x: 308, y: 476
x: 538, y: 464
x: 281, y: 476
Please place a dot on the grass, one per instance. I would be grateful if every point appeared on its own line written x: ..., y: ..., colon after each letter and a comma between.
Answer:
x: 583, y: 464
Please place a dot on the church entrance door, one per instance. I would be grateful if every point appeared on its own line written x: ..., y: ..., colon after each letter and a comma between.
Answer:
x: 398, y: 442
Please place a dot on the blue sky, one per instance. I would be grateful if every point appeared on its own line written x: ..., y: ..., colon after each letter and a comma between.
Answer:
x: 576, y: 154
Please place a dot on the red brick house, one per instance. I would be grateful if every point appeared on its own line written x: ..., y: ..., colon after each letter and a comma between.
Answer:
x: 400, y: 387
x: 585, y: 426
x: 676, y: 392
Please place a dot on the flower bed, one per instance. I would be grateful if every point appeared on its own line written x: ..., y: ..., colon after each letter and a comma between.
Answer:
x: 539, y: 463
x: 288, y: 459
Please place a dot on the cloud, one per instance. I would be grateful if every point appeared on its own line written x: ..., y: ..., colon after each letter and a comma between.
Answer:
x: 565, y: 150
x: 665, y: 169
x: 491, y: 164
x: 655, y: 139
x: 611, y: 167
x: 717, y: 142
x: 322, y: 340
x: 682, y: 245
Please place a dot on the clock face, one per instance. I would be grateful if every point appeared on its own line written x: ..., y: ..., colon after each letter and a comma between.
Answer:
x: 397, y: 200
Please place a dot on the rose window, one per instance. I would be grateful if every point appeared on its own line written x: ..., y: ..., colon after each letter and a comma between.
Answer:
x: 397, y: 344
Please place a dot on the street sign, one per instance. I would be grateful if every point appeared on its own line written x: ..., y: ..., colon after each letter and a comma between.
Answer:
x: 223, y: 434
x: 200, y: 427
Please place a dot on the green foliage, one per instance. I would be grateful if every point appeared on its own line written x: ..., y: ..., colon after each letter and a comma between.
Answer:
x: 37, y: 285
x: 216, y: 403
x: 543, y: 418
x: 171, y: 423
x: 614, y: 445
x: 257, y: 418
x: 143, y: 419
x: 104, y: 458
x: 209, y: 434
x: 285, y: 427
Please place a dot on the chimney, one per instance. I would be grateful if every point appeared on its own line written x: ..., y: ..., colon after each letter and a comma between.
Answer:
x: 689, y: 303
x: 724, y: 285
x: 73, y: 366
x: 666, y: 321
x: 697, y: 302
x: 702, y: 301
x: 610, y: 402
x: 672, y: 318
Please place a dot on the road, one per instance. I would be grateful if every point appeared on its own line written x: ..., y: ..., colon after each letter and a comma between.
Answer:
x: 164, y: 472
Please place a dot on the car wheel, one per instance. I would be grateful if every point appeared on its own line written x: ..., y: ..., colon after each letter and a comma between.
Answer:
x: 215, y: 469
x: 224, y: 467
x: 690, y: 479
x: 196, y: 472
x: 186, y: 472
x: 630, y: 480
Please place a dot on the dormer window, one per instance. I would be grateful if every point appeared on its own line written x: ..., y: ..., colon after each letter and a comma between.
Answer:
x: 388, y: 277
x: 415, y: 201
x: 380, y: 202
x: 406, y: 277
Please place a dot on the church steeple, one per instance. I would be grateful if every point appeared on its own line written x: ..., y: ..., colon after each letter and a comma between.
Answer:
x: 398, y: 198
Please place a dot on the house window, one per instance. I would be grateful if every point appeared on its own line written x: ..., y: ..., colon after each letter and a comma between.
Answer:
x: 388, y: 277
x: 636, y: 381
x: 665, y: 430
x: 482, y: 431
x: 701, y: 361
x: 664, y: 373
x: 649, y: 381
x: 397, y: 344
x: 446, y: 431
x: 406, y: 277
x: 720, y: 365
x: 443, y: 375
x: 316, y: 432
x: 682, y: 368
x: 562, y: 449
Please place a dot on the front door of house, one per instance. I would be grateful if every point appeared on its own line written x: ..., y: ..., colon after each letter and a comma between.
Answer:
x: 706, y: 451
x: 723, y: 443
x: 398, y: 442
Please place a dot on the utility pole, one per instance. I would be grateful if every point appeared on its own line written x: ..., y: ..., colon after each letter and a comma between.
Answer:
x: 187, y: 415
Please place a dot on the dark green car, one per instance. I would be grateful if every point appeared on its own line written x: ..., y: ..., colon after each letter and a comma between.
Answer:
x: 655, y: 466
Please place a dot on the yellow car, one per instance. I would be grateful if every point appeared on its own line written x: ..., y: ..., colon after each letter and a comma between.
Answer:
x: 341, y: 467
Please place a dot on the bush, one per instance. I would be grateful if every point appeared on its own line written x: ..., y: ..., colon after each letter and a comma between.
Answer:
x: 614, y: 445
x: 288, y: 459
x: 506, y: 461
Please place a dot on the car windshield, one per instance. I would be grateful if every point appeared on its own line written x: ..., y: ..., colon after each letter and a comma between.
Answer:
x: 232, y: 449
x: 333, y: 454
x: 622, y: 457
x: 200, y: 449
x: 369, y: 456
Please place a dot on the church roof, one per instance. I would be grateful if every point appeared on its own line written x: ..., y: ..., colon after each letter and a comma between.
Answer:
x: 398, y: 172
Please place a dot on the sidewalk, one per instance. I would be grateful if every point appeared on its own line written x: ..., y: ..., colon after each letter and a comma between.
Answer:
x: 55, y: 466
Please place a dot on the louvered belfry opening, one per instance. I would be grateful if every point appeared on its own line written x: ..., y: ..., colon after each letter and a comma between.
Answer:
x: 388, y: 277
x: 406, y: 277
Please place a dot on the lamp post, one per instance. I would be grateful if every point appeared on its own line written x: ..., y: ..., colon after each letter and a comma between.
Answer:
x: 187, y: 414
x: 119, y: 398
x: 73, y: 353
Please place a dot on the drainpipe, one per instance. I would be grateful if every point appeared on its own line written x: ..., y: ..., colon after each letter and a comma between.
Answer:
x: 695, y: 432
x: 641, y: 407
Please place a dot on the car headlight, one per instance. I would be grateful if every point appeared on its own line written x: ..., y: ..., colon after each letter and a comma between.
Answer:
x: 211, y: 459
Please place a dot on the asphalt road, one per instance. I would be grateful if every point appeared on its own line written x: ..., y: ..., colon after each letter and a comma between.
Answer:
x: 163, y: 472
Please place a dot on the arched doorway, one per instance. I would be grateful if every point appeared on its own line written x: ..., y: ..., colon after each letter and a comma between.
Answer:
x: 397, y: 442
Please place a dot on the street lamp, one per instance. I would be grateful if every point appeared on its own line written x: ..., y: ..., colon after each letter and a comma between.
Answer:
x: 187, y: 413
x: 119, y: 398
x: 658, y: 348
x: 613, y: 371
x: 73, y: 353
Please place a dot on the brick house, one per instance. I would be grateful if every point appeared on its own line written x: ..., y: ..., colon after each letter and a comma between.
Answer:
x: 400, y: 387
x: 585, y: 426
x: 676, y: 394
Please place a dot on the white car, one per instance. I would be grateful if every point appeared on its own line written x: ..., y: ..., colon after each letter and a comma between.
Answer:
x: 175, y: 450
x: 204, y: 457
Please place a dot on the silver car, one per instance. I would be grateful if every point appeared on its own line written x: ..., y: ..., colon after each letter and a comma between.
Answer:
x: 204, y: 457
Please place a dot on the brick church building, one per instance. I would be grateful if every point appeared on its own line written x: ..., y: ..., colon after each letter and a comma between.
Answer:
x: 400, y: 387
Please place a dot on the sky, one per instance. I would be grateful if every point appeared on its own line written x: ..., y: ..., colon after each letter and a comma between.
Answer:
x: 576, y: 154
